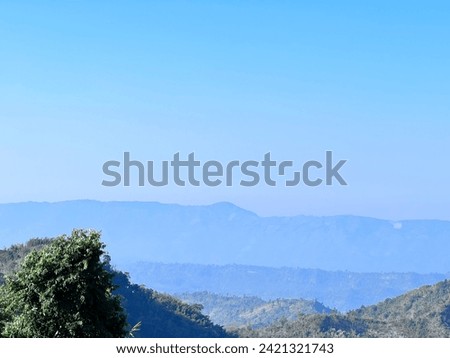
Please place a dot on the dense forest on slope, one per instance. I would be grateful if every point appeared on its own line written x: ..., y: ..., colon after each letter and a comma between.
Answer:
x: 243, y: 311
x: 421, y: 313
x: 159, y: 315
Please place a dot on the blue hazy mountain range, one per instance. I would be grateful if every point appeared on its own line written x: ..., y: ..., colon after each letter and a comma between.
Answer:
x: 223, y: 234
x: 342, y: 290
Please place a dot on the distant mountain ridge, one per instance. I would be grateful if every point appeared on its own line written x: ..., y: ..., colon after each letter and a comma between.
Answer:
x: 226, y: 234
x: 342, y: 290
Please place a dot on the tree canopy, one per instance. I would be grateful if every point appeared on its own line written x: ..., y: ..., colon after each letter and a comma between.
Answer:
x: 62, y: 290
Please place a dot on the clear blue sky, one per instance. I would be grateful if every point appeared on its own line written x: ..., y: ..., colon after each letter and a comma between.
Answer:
x: 83, y: 81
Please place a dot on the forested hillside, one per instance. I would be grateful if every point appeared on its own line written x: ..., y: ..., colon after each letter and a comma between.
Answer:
x: 159, y: 315
x: 421, y: 313
x: 163, y: 316
x: 243, y: 311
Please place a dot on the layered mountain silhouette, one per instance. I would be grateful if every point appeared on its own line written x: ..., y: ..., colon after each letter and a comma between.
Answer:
x: 245, y: 311
x: 342, y: 290
x: 226, y: 234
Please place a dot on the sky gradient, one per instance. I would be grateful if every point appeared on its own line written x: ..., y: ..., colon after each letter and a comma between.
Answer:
x: 82, y: 82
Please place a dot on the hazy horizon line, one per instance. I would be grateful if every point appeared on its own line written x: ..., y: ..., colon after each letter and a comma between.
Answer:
x: 218, y: 203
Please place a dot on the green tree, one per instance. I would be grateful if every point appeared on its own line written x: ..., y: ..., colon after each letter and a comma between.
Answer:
x: 63, y: 290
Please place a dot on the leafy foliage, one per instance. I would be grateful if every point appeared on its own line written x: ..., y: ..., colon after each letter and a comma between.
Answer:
x: 11, y: 257
x: 63, y: 290
x: 149, y: 313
